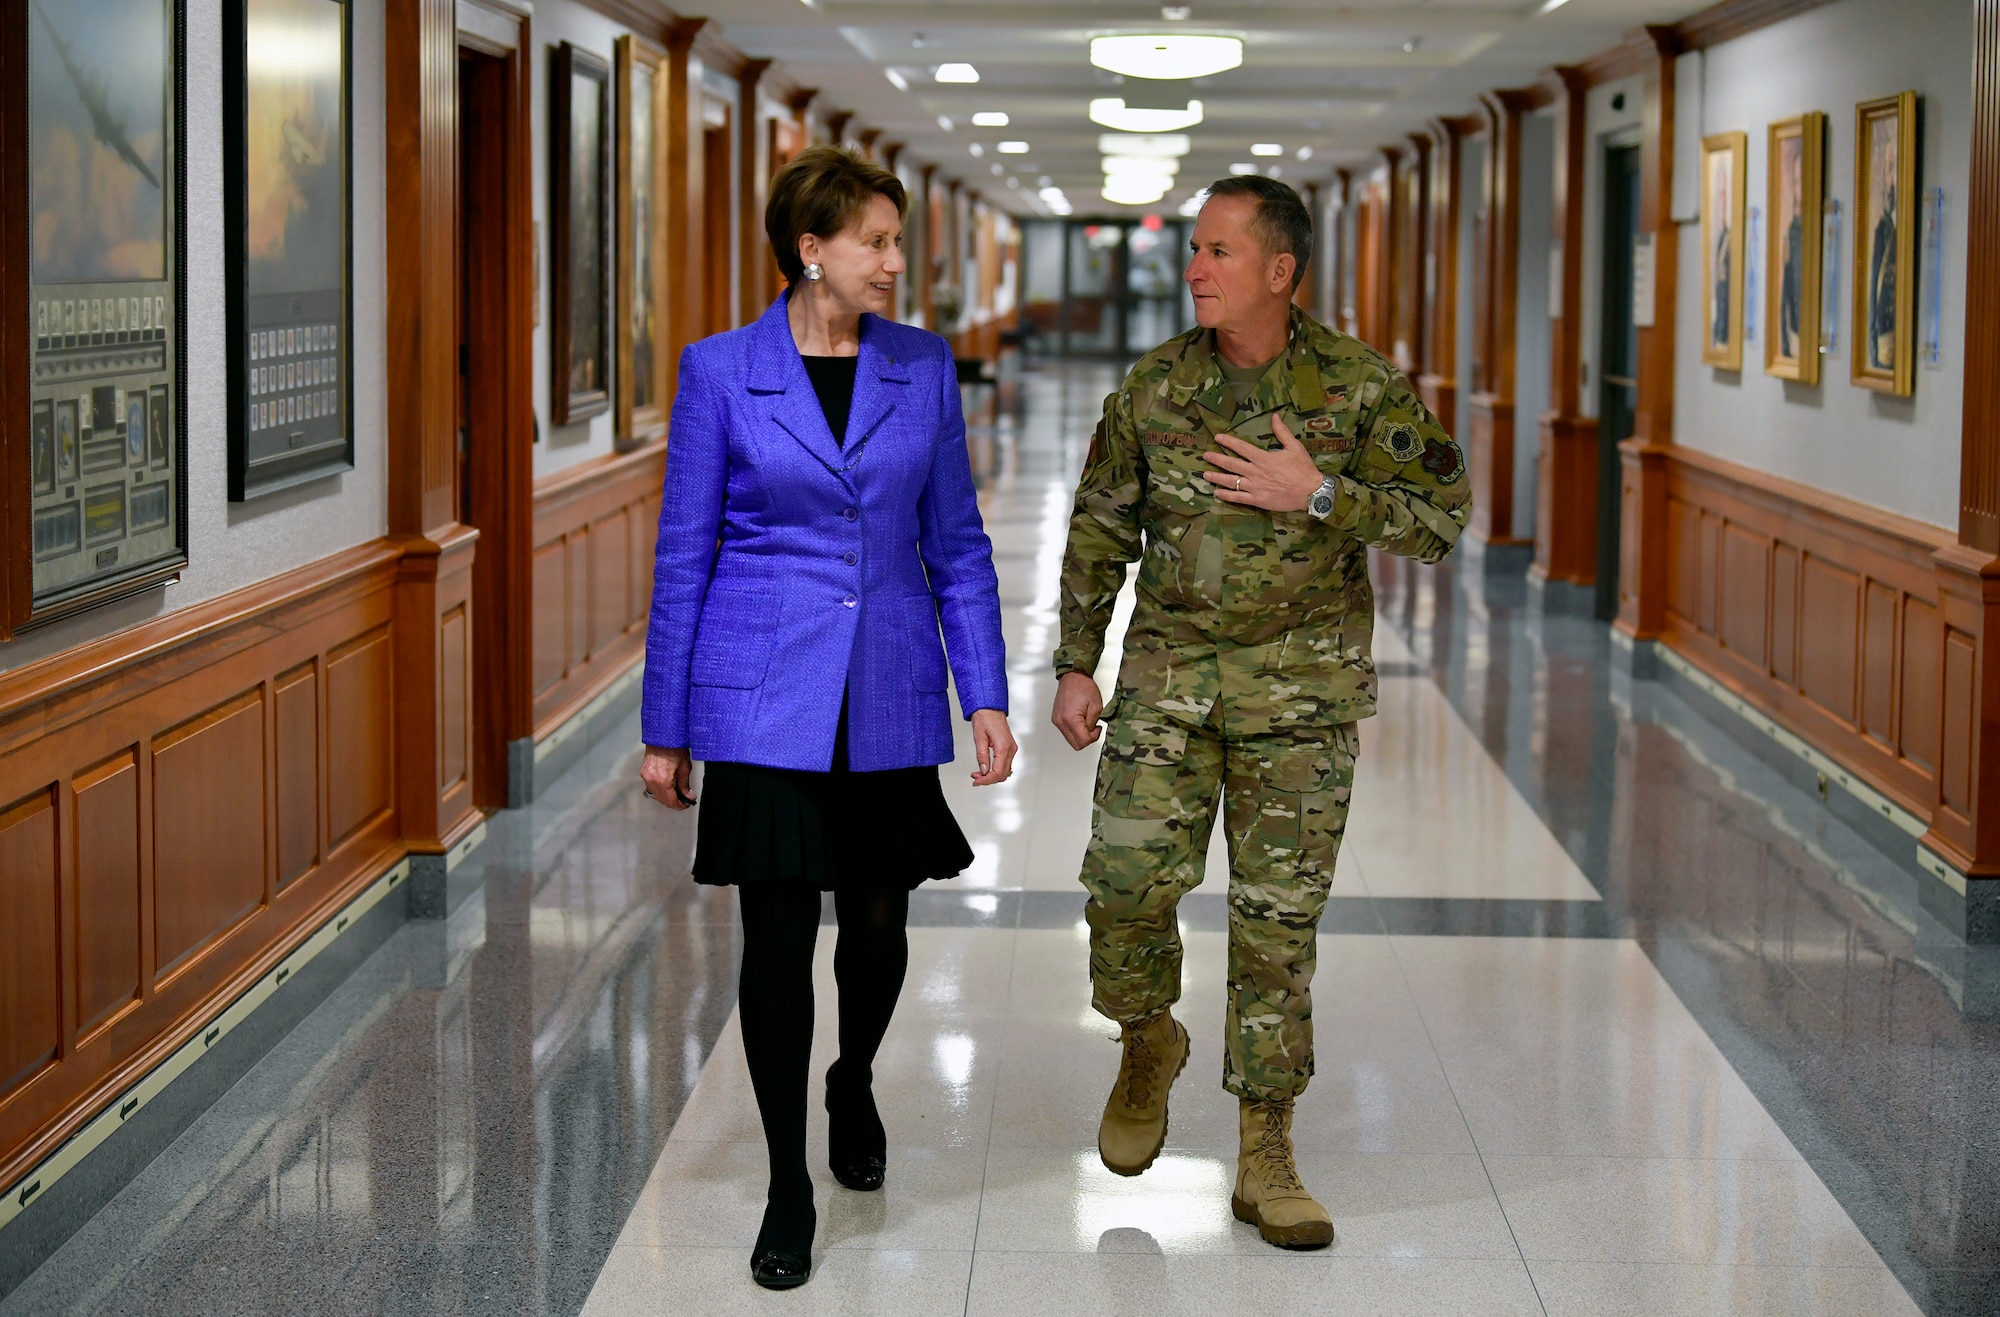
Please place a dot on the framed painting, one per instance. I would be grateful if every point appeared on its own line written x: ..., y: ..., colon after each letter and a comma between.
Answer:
x: 287, y: 189
x: 580, y: 126
x: 1796, y: 203
x: 104, y: 511
x: 1885, y: 244
x: 1724, y: 159
x: 642, y: 85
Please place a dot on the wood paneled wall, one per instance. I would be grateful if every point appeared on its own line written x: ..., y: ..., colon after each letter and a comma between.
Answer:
x: 180, y: 804
x: 1824, y: 612
x: 595, y: 527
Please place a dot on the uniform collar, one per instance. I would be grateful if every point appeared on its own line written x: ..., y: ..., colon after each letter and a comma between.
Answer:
x: 1197, y: 376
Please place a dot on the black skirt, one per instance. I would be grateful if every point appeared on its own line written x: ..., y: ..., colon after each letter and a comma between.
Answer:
x: 827, y: 830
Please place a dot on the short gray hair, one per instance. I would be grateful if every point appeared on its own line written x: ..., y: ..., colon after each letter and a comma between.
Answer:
x: 1282, y: 222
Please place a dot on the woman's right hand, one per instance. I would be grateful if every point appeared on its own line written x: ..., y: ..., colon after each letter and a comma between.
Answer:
x: 668, y: 775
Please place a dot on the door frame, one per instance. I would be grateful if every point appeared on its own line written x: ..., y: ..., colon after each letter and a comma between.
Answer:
x: 498, y: 306
x: 1614, y: 289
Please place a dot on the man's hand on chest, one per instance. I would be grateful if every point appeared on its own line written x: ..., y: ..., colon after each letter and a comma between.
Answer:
x: 1281, y: 479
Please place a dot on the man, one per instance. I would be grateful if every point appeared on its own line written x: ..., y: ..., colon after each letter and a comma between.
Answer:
x: 1246, y: 466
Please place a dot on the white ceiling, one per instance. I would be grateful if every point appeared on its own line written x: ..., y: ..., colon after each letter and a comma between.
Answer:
x: 1335, y: 77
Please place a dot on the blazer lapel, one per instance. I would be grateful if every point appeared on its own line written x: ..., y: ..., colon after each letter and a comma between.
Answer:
x: 778, y: 373
x: 878, y: 386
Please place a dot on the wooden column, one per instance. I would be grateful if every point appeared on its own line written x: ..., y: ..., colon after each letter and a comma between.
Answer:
x: 1965, y: 816
x: 753, y: 141
x: 1390, y: 312
x: 687, y: 289
x: 1642, y: 549
x: 1439, y: 381
x: 1492, y: 428
x: 1412, y: 254
x: 1341, y: 313
x: 921, y: 212
x: 433, y: 598
x: 1566, y: 475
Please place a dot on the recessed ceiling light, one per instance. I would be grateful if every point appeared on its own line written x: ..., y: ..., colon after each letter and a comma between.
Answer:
x: 1012, y: 148
x: 1112, y: 112
x: 1550, y: 6
x: 990, y: 119
x: 999, y: 168
x: 1266, y: 148
x: 956, y: 73
x: 896, y: 80
x: 1044, y: 181
x: 944, y: 122
x: 1133, y: 191
x: 1276, y: 171
x: 1410, y: 46
x: 1166, y: 144
x: 1245, y: 168
x: 1166, y: 55
x: 976, y: 149
x: 1013, y: 182
x: 1178, y: 13
x: 1192, y: 206
x: 1304, y: 153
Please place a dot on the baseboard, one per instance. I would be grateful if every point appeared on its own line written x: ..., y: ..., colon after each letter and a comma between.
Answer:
x: 1507, y: 559
x: 71, y: 1185
x: 571, y: 739
x: 1564, y: 598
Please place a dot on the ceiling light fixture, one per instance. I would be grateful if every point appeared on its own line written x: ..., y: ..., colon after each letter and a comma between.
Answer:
x: 1132, y: 191
x: 1410, y: 46
x: 1140, y: 166
x: 1304, y: 153
x: 1012, y: 148
x: 1266, y: 148
x: 1550, y: 6
x: 956, y: 73
x: 1172, y: 13
x: 998, y: 168
x: 976, y: 149
x: 1044, y: 181
x: 1244, y: 168
x: 1192, y: 206
x: 990, y: 119
x: 1112, y: 112
x: 1153, y: 144
x: 896, y: 80
x: 944, y: 122
x: 1167, y: 55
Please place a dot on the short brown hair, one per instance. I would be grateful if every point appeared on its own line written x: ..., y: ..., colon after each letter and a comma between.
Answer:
x: 1282, y: 223
x: 822, y: 191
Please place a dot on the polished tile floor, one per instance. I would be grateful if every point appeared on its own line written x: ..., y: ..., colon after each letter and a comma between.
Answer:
x: 1611, y: 1019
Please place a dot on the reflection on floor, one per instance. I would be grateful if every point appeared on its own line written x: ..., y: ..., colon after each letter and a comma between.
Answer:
x: 1611, y: 1019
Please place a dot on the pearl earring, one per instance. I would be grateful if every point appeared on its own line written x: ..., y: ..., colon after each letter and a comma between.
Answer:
x: 814, y: 272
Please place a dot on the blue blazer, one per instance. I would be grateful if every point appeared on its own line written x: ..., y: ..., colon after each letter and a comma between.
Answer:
x: 791, y: 569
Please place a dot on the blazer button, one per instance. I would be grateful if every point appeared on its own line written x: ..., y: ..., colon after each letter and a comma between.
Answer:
x: 849, y: 601
x: 850, y: 558
x: 852, y: 514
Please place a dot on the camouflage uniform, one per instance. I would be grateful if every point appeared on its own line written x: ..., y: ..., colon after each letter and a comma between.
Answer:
x: 1246, y: 664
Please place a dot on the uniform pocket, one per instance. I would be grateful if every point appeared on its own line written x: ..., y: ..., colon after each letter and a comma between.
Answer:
x: 732, y: 642
x: 922, y: 643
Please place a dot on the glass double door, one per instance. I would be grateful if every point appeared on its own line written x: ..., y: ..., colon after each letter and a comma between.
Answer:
x: 1123, y: 294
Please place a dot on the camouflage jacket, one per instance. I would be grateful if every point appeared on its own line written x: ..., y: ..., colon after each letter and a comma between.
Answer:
x: 1267, y: 614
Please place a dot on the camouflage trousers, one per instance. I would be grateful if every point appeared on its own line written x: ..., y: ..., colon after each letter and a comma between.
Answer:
x: 1284, y: 800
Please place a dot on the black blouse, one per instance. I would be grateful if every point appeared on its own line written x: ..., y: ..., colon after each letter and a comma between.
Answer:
x: 833, y: 380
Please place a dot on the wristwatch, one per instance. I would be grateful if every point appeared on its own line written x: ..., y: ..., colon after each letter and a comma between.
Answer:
x: 1321, y: 503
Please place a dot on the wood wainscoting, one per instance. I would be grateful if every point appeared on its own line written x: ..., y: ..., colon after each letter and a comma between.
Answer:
x: 181, y: 804
x: 1827, y: 614
x: 595, y: 527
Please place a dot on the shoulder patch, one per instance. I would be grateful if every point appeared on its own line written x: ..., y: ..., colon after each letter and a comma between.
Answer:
x: 1401, y: 442
x: 1443, y: 460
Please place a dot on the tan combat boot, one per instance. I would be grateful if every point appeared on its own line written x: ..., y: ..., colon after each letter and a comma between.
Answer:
x: 1268, y: 1193
x: 1134, y: 1128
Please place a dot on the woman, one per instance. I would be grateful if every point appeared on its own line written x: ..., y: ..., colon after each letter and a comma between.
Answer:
x: 819, y: 520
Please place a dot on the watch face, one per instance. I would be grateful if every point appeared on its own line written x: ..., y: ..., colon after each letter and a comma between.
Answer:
x: 1320, y: 505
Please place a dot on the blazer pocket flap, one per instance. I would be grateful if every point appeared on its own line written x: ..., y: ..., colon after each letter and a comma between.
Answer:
x: 732, y: 643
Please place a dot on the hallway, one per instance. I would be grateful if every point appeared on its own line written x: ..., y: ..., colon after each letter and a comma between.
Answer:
x: 1611, y: 1018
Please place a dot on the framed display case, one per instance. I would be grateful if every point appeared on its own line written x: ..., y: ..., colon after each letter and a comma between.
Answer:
x: 641, y: 378
x: 580, y: 127
x: 99, y: 511
x: 1724, y: 161
x: 1796, y: 203
x: 1885, y: 244
x: 287, y: 201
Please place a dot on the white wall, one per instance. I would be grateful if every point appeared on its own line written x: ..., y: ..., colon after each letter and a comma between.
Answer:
x: 1531, y: 311
x: 231, y: 545
x: 1901, y: 454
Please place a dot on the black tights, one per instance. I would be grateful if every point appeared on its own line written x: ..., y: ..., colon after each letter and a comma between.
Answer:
x: 775, y: 998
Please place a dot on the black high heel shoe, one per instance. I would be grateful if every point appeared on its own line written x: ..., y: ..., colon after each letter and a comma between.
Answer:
x: 857, y: 1146
x: 782, y: 1259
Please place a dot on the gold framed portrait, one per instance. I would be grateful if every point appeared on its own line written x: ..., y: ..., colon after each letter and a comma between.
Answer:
x: 1724, y: 158
x: 640, y: 74
x: 1885, y: 244
x: 1796, y: 204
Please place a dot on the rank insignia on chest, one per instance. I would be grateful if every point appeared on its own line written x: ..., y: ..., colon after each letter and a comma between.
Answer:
x: 1402, y: 443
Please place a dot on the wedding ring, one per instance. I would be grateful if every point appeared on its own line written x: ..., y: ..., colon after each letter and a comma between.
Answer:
x: 1239, y: 484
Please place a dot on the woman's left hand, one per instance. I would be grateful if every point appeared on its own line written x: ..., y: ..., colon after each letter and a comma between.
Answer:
x: 992, y: 748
